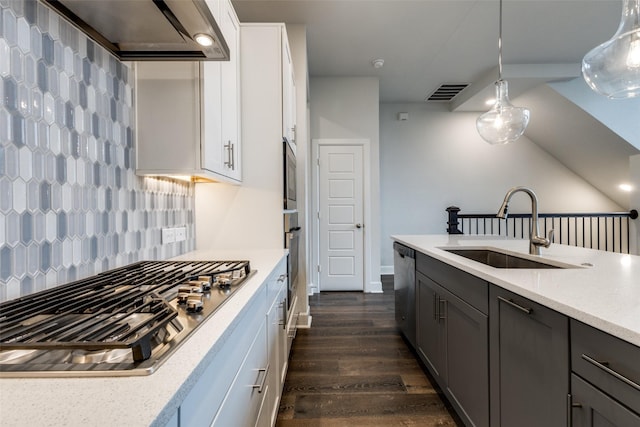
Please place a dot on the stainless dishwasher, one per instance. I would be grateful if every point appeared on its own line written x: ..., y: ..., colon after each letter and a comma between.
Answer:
x: 404, y: 285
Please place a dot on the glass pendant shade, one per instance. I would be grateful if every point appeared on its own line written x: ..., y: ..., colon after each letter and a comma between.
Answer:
x: 504, y: 123
x: 613, y: 68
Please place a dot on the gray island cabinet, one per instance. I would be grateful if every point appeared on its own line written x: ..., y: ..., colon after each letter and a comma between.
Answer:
x: 452, y: 335
x: 529, y: 362
x: 505, y: 360
x: 605, y: 379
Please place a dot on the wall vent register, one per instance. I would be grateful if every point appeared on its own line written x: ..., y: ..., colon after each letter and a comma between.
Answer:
x: 121, y: 322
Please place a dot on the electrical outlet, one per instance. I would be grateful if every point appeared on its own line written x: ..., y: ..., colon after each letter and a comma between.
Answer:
x: 181, y: 234
x: 168, y: 235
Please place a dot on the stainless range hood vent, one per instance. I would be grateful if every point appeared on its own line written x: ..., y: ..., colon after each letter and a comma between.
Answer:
x: 446, y: 92
x: 138, y: 30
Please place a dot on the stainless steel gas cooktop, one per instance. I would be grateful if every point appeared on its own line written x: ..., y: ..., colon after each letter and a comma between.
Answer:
x: 122, y: 322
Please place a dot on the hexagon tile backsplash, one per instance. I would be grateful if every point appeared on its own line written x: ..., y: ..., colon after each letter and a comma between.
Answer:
x: 70, y: 203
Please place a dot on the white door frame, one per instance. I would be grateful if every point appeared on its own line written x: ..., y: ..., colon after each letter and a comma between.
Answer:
x: 315, y: 207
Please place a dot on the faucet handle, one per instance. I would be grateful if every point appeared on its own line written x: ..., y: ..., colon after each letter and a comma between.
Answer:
x: 550, y: 237
x: 541, y: 241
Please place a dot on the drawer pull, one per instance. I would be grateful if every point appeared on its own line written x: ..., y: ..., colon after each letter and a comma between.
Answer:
x: 282, y: 278
x: 610, y: 371
x: 518, y: 306
x: 260, y: 386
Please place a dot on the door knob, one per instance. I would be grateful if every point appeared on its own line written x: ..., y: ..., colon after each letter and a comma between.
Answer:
x: 359, y: 225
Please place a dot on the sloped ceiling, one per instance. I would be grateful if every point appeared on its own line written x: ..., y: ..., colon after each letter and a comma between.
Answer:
x: 578, y: 140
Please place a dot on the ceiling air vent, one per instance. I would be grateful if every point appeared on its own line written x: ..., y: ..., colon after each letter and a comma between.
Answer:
x: 446, y: 92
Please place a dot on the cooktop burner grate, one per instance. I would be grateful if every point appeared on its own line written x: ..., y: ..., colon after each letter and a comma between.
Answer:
x: 121, y: 308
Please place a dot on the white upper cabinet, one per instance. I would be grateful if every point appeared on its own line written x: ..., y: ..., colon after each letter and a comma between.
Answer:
x: 221, y: 150
x: 189, y: 112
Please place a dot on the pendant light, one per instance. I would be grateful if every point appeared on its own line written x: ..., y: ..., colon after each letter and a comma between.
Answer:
x: 613, y: 68
x: 504, y: 122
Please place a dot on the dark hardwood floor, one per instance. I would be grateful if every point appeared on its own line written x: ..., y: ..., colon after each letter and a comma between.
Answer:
x: 352, y: 368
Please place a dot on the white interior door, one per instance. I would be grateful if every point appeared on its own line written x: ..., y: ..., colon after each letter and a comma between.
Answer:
x: 341, y: 217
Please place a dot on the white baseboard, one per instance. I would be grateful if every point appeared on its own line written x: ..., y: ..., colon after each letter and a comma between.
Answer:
x: 304, y: 320
x: 374, y: 288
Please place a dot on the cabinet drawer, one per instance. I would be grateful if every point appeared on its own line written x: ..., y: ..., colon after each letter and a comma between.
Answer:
x: 277, y: 279
x: 244, y: 400
x: 469, y: 288
x: 593, y: 408
x: 609, y: 363
x: 204, y: 399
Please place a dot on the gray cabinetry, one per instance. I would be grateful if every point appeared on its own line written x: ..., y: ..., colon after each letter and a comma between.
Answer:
x: 593, y: 408
x: 529, y: 362
x: 430, y: 339
x: 452, y: 336
x: 605, y: 383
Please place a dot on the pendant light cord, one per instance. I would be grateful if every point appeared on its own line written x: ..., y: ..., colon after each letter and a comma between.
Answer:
x: 500, y: 43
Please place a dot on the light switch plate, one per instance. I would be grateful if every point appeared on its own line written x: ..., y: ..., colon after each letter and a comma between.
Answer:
x: 168, y: 235
x: 181, y: 234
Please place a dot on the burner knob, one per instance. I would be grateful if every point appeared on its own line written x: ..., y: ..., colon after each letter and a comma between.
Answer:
x: 194, y: 302
x: 182, y: 296
x: 195, y: 285
x: 224, y: 282
x: 205, y: 282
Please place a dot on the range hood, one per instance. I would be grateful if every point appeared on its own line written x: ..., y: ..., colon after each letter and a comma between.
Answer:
x: 138, y: 30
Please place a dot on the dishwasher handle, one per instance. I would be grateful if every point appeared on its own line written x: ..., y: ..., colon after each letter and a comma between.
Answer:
x: 404, y: 251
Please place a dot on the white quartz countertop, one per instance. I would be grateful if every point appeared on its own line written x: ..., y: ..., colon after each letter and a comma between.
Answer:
x: 134, y: 401
x: 605, y: 295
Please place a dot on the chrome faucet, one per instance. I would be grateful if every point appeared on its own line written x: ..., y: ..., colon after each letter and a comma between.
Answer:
x: 535, y: 240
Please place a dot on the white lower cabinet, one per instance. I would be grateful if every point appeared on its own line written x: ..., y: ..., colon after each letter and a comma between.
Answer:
x: 245, y: 398
x: 243, y: 383
x: 278, y: 351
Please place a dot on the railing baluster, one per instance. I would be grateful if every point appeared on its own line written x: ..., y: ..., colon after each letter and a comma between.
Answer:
x: 603, y: 232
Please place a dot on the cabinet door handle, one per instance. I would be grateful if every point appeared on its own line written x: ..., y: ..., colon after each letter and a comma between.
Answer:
x: 232, y: 156
x: 570, y: 406
x: 227, y: 147
x: 442, y: 310
x: 515, y: 305
x: 284, y: 314
x: 608, y: 370
x: 436, y: 304
x: 260, y: 386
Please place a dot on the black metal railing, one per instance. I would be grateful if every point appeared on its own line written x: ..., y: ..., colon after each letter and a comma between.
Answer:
x: 608, y: 231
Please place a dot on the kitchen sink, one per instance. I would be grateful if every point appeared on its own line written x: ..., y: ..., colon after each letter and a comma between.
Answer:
x: 497, y: 259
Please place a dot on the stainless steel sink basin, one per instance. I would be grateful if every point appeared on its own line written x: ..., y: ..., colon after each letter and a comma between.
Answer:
x: 501, y: 260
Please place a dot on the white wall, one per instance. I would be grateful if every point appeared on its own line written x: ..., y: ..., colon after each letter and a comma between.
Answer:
x: 436, y: 159
x: 250, y: 216
x: 298, y: 44
x: 348, y: 108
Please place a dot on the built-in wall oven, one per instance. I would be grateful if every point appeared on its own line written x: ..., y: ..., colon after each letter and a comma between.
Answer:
x: 290, y: 189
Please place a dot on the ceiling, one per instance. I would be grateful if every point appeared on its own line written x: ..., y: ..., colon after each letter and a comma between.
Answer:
x: 426, y: 43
